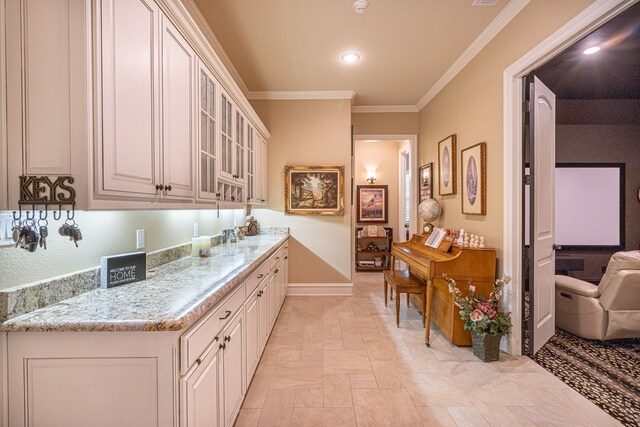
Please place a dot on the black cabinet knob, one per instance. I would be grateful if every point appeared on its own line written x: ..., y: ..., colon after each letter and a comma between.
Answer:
x: 167, y: 188
x: 158, y: 186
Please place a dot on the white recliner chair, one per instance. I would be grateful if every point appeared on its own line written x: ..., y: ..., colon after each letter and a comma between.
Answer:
x: 608, y: 311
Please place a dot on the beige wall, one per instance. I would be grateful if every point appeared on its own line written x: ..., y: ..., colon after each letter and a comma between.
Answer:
x: 471, y: 106
x: 383, y: 157
x: 306, y: 133
x: 385, y: 123
x: 108, y: 233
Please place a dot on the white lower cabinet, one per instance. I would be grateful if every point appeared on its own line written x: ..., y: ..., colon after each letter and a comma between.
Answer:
x: 201, y: 394
x: 192, y: 378
x: 233, y: 367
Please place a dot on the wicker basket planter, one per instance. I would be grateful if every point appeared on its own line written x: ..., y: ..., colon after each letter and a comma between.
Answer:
x: 486, y: 348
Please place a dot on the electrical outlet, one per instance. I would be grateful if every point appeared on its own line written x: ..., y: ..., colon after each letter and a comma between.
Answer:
x: 196, y: 231
x: 140, y: 238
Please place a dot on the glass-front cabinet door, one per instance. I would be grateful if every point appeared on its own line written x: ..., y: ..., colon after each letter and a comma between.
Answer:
x: 226, y: 137
x: 239, y: 148
x: 207, y: 135
x: 251, y: 165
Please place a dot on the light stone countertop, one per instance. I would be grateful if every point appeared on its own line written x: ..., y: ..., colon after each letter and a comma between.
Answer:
x: 173, y: 297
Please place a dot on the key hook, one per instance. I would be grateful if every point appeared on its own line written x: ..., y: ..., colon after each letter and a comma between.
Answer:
x: 19, y: 217
x: 57, y: 217
x: 32, y: 216
x: 71, y: 214
x: 46, y: 213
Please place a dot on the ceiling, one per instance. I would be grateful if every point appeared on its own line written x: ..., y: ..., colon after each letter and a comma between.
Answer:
x: 611, y: 73
x: 295, y: 45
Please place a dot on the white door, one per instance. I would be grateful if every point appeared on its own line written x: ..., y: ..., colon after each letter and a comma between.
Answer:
x: 543, y: 126
x: 178, y: 108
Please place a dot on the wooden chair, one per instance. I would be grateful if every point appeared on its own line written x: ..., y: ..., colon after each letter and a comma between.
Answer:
x: 403, y: 282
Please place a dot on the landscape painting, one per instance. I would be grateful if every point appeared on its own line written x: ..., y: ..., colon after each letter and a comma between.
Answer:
x: 372, y: 204
x: 314, y: 190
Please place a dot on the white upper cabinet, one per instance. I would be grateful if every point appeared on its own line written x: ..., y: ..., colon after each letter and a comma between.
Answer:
x: 207, y: 132
x: 226, y: 137
x: 130, y: 96
x: 46, y: 66
x: 178, y: 113
x: 239, y: 148
x: 251, y: 150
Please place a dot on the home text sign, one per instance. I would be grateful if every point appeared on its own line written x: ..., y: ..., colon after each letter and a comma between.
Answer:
x: 45, y: 191
x: 121, y: 269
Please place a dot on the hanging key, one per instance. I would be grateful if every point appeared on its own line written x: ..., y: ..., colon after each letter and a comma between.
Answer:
x: 76, y: 235
x: 44, y: 232
x: 15, y: 232
x: 22, y: 235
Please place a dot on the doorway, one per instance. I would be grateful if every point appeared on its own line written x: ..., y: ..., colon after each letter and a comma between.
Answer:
x: 513, y: 166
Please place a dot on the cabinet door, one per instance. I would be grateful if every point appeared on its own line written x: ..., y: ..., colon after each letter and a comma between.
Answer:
x: 233, y: 367
x: 201, y: 392
x: 130, y: 96
x: 239, y: 148
x: 178, y: 108
x: 273, y: 296
x: 226, y: 137
x: 261, y: 172
x: 265, y: 322
x: 252, y: 317
x: 252, y: 160
x: 207, y: 130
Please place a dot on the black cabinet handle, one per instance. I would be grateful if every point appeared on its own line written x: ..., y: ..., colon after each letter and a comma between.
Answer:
x: 227, y: 338
x: 277, y: 269
x: 260, y: 276
x: 226, y: 316
x: 158, y: 186
x: 167, y: 188
x: 215, y: 339
x: 223, y: 346
x: 286, y: 257
x: 198, y: 361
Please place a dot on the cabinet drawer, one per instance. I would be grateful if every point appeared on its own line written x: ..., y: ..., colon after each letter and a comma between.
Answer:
x: 275, y: 258
x: 195, y: 341
x: 256, y: 277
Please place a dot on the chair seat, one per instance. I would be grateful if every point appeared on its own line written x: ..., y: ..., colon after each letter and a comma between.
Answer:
x: 576, y: 286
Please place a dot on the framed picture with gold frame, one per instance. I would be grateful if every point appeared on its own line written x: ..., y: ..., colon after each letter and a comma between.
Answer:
x: 447, y: 166
x: 474, y: 179
x: 314, y: 190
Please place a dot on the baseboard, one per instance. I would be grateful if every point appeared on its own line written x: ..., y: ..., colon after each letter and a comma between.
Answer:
x: 320, y: 289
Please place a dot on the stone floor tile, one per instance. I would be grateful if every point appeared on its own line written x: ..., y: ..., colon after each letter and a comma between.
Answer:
x: 363, y: 381
x: 384, y: 407
x: 278, y: 408
x: 346, y: 362
x: 435, y: 416
x: 386, y: 374
x: 248, y: 417
x: 337, y: 391
x: 292, y: 374
x: 323, y: 417
x: 309, y: 398
x: 470, y: 417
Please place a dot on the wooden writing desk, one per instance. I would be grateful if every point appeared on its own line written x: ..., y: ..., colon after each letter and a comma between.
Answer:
x: 460, y: 264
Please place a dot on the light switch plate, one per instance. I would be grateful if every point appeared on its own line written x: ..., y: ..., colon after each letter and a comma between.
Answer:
x: 140, y: 238
x: 5, y: 229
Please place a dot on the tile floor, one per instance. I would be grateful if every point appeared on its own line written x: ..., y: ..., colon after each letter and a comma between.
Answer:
x: 341, y: 361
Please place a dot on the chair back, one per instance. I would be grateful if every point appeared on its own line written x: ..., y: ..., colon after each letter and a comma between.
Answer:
x: 629, y: 260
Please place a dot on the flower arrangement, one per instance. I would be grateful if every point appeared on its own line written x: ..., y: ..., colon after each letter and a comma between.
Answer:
x: 481, y: 314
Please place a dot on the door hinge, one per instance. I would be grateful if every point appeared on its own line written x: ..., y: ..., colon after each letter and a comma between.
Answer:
x: 526, y: 179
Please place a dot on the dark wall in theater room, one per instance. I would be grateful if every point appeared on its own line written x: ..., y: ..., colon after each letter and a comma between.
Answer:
x: 603, y: 131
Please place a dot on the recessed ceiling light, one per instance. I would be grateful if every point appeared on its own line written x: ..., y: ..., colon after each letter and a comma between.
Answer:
x: 591, y: 50
x: 350, y: 57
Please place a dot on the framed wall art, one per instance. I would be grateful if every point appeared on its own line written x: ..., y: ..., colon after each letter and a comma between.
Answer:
x: 372, y: 204
x: 474, y: 179
x: 447, y: 166
x: 314, y: 190
x: 425, y: 182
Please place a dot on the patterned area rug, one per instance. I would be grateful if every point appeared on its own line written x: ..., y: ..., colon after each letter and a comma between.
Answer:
x: 605, y: 372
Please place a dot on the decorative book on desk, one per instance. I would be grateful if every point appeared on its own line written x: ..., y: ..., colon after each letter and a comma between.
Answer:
x: 373, y: 248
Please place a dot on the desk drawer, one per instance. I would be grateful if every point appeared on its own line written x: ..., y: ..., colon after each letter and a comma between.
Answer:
x: 256, y: 277
x: 197, y: 339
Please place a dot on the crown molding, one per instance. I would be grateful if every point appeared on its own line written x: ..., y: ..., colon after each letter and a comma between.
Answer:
x: 384, y: 109
x: 311, y: 94
x: 499, y: 22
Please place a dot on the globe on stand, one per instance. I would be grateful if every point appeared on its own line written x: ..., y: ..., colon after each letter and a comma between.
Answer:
x: 429, y: 210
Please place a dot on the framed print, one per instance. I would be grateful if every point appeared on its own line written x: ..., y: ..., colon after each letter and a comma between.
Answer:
x: 425, y: 182
x: 447, y: 166
x: 314, y: 190
x: 474, y: 180
x: 372, y: 204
